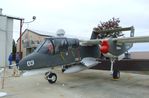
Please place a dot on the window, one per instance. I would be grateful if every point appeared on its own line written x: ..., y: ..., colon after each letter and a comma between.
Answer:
x: 60, y: 45
x: 46, y: 47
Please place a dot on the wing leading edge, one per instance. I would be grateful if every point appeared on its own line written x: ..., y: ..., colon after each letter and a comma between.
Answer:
x: 139, y: 39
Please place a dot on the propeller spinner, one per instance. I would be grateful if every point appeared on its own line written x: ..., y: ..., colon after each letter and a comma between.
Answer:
x: 104, y: 48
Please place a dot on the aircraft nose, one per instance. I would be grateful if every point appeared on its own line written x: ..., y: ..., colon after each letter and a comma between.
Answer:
x: 34, y: 61
x: 27, y: 62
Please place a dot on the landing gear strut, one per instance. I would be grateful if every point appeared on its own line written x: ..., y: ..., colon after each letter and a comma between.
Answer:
x: 116, y: 74
x: 51, y: 77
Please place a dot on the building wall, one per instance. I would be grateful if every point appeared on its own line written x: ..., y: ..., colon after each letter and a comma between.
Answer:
x: 32, y: 39
x: 140, y: 55
x: 6, y: 32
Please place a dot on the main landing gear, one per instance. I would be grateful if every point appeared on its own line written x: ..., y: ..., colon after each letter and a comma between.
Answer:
x: 51, y: 77
x: 116, y: 74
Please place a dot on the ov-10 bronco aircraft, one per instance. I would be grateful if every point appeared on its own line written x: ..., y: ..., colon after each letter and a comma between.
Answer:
x: 74, y: 55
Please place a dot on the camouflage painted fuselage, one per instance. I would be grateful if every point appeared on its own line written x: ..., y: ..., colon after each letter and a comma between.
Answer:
x: 57, y: 51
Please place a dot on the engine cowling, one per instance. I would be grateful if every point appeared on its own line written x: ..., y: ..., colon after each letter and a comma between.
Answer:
x: 104, y: 48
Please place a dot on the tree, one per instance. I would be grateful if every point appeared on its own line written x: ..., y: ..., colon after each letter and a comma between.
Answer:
x: 108, y: 25
x: 13, y: 49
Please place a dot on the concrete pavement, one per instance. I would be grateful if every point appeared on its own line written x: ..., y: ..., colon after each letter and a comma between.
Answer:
x: 86, y: 84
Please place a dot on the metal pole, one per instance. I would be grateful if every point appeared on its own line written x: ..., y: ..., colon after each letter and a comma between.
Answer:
x: 21, y: 24
x: 3, y: 78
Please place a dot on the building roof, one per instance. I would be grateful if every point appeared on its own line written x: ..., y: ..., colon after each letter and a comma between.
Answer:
x: 12, y: 17
x: 35, y: 32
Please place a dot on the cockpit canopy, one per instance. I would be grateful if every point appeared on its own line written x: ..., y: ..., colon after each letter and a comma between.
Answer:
x: 56, y: 45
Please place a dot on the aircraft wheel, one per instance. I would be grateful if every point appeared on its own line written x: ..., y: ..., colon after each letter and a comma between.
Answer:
x: 52, y: 77
x: 63, y: 69
x: 116, y: 74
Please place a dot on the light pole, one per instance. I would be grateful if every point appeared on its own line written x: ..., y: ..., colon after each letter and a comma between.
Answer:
x: 21, y: 25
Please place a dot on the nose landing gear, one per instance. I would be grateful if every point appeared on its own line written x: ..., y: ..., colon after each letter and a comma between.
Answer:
x: 51, y: 77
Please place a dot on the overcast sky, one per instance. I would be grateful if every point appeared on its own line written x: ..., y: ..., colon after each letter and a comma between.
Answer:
x: 78, y: 17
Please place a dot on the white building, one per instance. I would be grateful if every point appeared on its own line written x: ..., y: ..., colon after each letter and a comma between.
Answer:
x: 6, y: 37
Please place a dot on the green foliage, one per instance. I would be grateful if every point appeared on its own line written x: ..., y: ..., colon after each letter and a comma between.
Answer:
x: 108, y: 25
x: 13, y: 49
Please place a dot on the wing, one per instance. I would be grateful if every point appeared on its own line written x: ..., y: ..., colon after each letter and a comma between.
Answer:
x: 90, y: 42
x: 140, y: 39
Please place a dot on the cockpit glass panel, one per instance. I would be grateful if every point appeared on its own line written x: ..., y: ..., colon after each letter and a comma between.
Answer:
x: 39, y: 46
x: 60, y: 44
x: 47, y: 47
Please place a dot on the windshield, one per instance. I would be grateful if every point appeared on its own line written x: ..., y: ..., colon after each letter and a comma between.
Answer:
x: 45, y: 47
x: 39, y: 46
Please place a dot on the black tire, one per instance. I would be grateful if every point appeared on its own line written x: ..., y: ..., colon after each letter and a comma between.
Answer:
x: 52, y: 78
x: 63, y: 70
x: 116, y: 74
